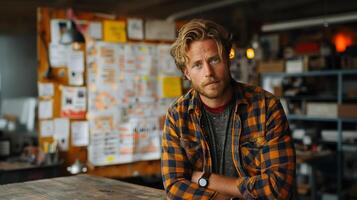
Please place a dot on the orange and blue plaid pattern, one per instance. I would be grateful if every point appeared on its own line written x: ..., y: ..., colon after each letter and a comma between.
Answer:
x: 262, y: 148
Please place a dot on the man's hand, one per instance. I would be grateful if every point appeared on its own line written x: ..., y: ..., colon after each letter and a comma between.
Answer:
x: 219, y: 196
x: 195, y: 176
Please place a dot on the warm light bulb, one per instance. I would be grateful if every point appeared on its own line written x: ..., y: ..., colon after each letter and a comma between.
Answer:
x: 232, y: 53
x: 250, y: 53
x: 342, y: 41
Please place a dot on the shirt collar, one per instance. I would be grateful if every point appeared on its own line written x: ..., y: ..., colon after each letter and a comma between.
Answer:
x: 195, y: 102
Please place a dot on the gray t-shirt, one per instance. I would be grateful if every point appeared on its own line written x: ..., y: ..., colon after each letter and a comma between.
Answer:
x: 219, y: 126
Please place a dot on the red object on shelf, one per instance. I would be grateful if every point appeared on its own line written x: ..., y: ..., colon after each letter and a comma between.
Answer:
x: 307, y: 48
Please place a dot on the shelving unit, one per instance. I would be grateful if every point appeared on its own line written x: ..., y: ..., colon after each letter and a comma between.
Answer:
x: 339, y: 99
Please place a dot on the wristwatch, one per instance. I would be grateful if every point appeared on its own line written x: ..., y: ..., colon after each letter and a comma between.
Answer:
x: 203, y: 181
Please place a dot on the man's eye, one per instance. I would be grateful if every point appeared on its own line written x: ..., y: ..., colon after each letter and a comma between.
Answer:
x: 215, y: 61
x: 197, y: 65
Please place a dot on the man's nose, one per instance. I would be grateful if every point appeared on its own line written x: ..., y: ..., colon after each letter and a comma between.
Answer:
x: 208, y: 71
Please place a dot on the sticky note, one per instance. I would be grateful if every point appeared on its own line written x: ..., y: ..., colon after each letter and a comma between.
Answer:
x: 171, y: 86
x: 114, y: 31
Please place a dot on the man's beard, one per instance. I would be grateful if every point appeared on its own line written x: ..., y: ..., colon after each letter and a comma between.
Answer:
x: 220, y: 90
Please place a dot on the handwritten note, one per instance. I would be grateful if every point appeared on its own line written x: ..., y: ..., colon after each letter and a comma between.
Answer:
x: 114, y: 31
x: 171, y: 86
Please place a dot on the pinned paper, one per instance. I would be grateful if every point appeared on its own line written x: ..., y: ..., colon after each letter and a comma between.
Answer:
x: 75, y: 77
x: 76, y: 60
x: 61, y: 132
x: 160, y: 30
x: 45, y: 89
x: 114, y: 31
x: 45, y: 109
x: 95, y: 30
x: 75, y: 67
x: 46, y: 128
x: 103, y: 123
x: 102, y: 100
x: 171, y: 86
x: 126, y: 141
x: 166, y: 63
x: 147, y: 136
x: 61, y: 31
x: 80, y: 133
x: 135, y: 29
x: 73, y: 102
x: 58, y: 55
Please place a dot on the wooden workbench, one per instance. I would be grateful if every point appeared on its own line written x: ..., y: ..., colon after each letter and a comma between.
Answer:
x: 78, y: 187
x: 16, y: 171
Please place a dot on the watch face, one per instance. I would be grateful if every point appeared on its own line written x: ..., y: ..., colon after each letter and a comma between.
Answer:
x: 202, y: 182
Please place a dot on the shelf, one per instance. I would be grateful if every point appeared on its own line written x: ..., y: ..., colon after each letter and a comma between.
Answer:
x: 346, y: 147
x: 329, y: 165
x: 322, y: 119
x: 349, y: 148
x: 311, y: 118
x: 311, y: 98
x: 312, y: 157
x: 311, y: 73
x: 329, y: 196
x: 303, y: 189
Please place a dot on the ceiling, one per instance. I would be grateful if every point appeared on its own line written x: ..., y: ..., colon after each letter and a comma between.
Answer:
x: 262, y: 10
x: 243, y: 16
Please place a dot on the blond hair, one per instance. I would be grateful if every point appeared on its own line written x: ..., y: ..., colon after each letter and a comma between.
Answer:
x: 197, y: 30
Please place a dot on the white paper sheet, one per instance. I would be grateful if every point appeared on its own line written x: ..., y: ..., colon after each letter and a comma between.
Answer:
x: 147, y: 136
x: 75, y: 77
x: 45, y: 89
x: 107, y: 63
x: 61, y: 132
x: 46, y: 128
x: 60, y: 31
x: 135, y: 29
x: 103, y: 148
x: 58, y: 55
x: 166, y: 63
x: 160, y: 30
x: 76, y: 60
x: 95, y: 30
x: 126, y: 141
x: 145, y: 59
x: 80, y: 133
x: 45, y: 109
x: 101, y: 100
x: 73, y: 102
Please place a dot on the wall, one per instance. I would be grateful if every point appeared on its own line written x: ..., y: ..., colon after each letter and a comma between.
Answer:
x: 18, y: 60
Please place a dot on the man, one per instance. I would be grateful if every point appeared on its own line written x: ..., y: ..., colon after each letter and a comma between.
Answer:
x: 223, y: 139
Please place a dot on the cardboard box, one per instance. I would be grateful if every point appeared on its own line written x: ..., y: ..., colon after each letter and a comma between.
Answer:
x: 352, y: 94
x: 347, y: 110
x: 271, y: 66
x: 296, y: 65
x: 332, y: 135
x: 316, y: 63
x: 348, y: 62
x: 326, y: 110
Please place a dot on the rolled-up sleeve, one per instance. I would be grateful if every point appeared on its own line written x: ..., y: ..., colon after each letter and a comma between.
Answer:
x: 175, y: 168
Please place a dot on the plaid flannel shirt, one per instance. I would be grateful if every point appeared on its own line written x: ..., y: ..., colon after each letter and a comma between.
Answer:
x: 262, y: 148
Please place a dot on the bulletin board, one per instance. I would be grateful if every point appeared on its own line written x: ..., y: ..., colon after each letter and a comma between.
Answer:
x: 105, y: 83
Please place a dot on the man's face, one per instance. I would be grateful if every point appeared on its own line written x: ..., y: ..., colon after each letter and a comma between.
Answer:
x: 208, y: 73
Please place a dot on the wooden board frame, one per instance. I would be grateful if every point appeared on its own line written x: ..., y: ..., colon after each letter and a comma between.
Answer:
x: 44, y: 16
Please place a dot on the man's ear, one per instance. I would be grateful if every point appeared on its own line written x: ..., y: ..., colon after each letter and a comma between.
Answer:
x: 187, y: 74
